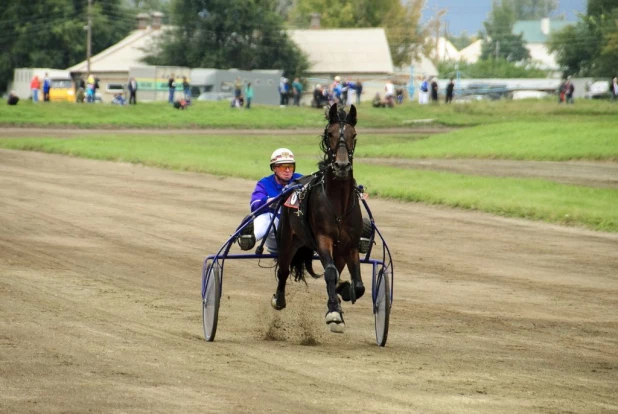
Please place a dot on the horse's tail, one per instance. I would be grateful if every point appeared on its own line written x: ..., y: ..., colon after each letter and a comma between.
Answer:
x: 303, y: 259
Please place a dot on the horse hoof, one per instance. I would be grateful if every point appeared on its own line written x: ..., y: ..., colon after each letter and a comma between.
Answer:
x: 337, y: 327
x: 276, y: 303
x: 335, y: 322
x: 333, y: 317
x: 360, y: 291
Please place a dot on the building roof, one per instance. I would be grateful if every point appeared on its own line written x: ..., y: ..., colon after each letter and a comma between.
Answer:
x: 345, y: 50
x: 532, y: 29
x: 125, y: 54
x: 446, y: 50
x: 472, y: 52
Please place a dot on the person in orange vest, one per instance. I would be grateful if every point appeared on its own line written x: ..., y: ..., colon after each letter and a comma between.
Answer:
x: 35, y: 85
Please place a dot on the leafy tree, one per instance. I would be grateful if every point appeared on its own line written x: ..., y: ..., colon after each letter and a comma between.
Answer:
x: 590, y: 47
x: 401, y: 21
x: 500, y: 42
x: 50, y: 33
x: 533, y: 9
x: 597, y: 8
x: 228, y: 34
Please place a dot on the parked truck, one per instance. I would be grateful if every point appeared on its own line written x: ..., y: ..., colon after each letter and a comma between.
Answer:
x: 62, y: 86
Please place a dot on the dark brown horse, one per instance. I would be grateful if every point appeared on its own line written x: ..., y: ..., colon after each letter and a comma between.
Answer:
x: 329, y: 222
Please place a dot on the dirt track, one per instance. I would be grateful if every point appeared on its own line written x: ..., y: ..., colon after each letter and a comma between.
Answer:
x: 100, y: 306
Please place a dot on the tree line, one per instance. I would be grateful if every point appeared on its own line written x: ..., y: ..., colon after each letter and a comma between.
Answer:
x: 251, y: 34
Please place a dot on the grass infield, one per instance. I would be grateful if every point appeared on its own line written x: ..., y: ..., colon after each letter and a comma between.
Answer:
x: 534, y: 199
x: 220, y: 115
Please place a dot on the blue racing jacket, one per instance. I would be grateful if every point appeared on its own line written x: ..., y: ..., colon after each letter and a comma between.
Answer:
x: 265, y: 188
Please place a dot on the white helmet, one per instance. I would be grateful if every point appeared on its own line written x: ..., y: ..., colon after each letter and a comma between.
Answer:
x: 337, y: 78
x: 282, y: 156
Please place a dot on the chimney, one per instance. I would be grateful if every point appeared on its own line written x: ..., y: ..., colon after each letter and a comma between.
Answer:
x: 315, y: 21
x: 142, y: 21
x: 157, y: 17
x: 545, y: 25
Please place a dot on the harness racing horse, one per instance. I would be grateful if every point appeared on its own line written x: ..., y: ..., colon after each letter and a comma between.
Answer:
x: 329, y: 222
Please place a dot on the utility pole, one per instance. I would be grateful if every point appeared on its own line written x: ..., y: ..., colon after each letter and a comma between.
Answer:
x: 89, y: 36
x: 497, y: 49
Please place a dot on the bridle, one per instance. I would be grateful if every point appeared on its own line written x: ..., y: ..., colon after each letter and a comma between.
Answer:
x: 341, y: 142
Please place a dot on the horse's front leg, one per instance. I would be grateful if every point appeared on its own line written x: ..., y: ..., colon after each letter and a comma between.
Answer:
x: 334, y: 314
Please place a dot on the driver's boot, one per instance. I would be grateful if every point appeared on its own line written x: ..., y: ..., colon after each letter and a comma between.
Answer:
x: 246, y: 239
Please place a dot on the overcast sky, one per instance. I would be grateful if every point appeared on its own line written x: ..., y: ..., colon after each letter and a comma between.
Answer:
x: 470, y: 14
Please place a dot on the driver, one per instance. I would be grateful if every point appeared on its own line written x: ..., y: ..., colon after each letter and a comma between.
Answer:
x: 283, y: 166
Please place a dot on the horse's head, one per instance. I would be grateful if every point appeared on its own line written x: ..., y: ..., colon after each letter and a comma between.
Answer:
x: 339, y: 141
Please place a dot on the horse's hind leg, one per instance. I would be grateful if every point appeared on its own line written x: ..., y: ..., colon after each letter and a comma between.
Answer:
x: 350, y: 292
x: 278, y: 299
x: 358, y: 288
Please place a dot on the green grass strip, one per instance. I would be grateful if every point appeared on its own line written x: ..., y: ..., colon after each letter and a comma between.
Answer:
x: 548, y: 141
x: 532, y: 199
x: 220, y: 115
x: 245, y: 157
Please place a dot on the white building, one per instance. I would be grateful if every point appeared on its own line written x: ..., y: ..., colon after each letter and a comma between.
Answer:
x: 536, y: 34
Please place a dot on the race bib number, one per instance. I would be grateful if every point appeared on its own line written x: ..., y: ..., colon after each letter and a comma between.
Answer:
x: 292, y: 201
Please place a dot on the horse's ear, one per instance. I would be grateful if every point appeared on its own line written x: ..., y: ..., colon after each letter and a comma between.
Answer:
x: 351, y: 118
x: 333, y: 116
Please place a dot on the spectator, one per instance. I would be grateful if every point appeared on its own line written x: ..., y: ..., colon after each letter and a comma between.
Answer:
x: 96, y: 87
x: 336, y: 89
x: 171, y: 86
x: 80, y: 94
x: 237, y: 102
x: 569, y: 89
x: 249, y: 94
x: 90, y: 88
x: 319, y: 100
x: 614, y: 89
x: 359, y: 91
x: 434, y: 90
x: 283, y: 93
x: 181, y: 104
x: 399, y: 93
x: 132, y: 91
x: 237, y: 87
x: 351, y: 87
x: 389, y: 93
x: 35, y: 85
x: 297, y: 89
x: 119, y: 100
x: 561, y: 91
x: 377, y: 101
x: 423, y: 94
x: 186, y: 89
x: 46, y: 87
x: 12, y: 99
x: 449, y: 91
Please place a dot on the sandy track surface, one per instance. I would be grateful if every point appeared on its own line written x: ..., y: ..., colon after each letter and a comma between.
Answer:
x: 100, y: 306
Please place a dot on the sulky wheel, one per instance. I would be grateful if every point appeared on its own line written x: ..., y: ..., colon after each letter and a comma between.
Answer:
x: 210, y: 302
x: 382, y: 306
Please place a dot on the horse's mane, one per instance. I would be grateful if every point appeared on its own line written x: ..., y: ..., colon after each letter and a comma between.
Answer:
x: 324, y: 144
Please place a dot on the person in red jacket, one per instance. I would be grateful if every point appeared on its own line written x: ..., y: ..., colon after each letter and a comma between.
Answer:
x: 35, y: 85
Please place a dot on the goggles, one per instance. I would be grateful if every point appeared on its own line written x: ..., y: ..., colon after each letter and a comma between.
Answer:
x: 286, y: 166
